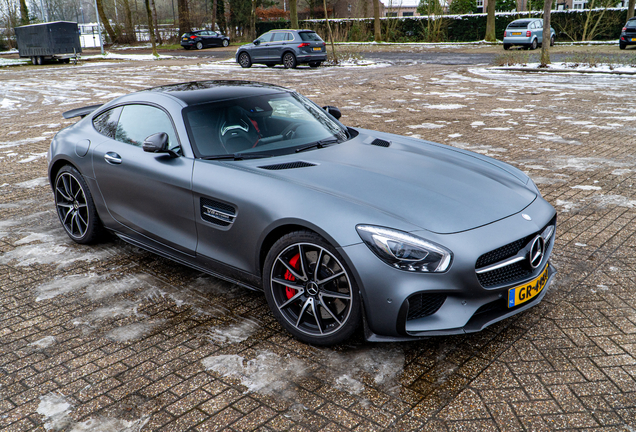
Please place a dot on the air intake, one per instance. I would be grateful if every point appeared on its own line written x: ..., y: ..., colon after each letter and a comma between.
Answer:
x: 422, y: 305
x: 288, y: 165
x: 217, y: 212
x: 380, y: 143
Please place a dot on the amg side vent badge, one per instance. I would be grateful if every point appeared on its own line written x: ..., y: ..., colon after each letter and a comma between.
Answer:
x: 217, y: 213
x: 380, y: 142
x: 288, y: 165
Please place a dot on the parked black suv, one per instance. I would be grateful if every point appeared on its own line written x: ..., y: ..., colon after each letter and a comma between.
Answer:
x: 628, y: 34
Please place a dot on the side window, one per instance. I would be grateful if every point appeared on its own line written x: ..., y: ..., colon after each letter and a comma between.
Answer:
x: 290, y: 36
x: 265, y: 38
x: 212, y: 33
x: 279, y: 37
x: 106, y: 123
x: 137, y: 122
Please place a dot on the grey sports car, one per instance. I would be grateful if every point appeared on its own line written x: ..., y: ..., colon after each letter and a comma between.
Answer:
x: 340, y: 227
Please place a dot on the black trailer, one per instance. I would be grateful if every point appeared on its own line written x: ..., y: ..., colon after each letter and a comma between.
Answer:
x: 57, y: 40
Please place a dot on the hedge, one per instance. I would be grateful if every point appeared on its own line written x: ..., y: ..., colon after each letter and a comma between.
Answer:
x: 568, y: 24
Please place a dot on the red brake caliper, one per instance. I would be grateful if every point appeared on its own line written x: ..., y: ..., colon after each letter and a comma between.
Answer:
x: 295, y: 263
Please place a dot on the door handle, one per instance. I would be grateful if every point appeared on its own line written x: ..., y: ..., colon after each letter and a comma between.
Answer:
x: 112, y: 158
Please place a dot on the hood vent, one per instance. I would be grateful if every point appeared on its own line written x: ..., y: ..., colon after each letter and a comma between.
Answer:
x: 380, y: 143
x: 288, y: 165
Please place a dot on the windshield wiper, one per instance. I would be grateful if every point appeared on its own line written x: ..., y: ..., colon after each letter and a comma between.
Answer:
x: 237, y: 156
x: 318, y: 144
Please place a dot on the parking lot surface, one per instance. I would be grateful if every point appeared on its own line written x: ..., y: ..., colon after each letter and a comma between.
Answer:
x: 113, y: 338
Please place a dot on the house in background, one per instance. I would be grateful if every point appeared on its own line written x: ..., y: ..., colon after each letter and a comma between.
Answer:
x: 400, y: 8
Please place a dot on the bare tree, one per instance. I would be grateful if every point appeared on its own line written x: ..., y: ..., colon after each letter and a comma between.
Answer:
x: 24, y: 13
x: 153, y: 5
x: 547, y: 34
x: 376, y: 21
x: 104, y: 19
x: 184, y: 17
x: 151, y: 29
x: 293, y: 13
x: 490, y: 21
x: 333, y: 49
x: 630, y: 8
x: 128, y: 22
x: 214, y: 6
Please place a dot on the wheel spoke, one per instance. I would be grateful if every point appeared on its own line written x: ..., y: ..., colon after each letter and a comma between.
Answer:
x: 287, y: 283
x: 61, y: 192
x: 70, y: 212
x: 74, y: 219
x: 65, y: 205
x: 302, y: 311
x: 82, y: 231
x: 330, y: 278
x: 67, y: 187
x: 313, y: 309
x: 302, y: 263
x: 317, y: 268
x: 334, y: 294
x: 326, y: 307
x: 291, y: 269
x: 291, y: 300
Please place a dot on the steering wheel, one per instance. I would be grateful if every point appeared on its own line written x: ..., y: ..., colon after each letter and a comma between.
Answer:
x: 290, y: 131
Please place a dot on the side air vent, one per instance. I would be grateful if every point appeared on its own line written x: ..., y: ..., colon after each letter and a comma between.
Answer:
x: 422, y: 305
x: 288, y: 165
x: 217, y: 213
x: 380, y: 143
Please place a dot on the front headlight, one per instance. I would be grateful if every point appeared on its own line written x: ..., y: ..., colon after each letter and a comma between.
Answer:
x: 405, y: 251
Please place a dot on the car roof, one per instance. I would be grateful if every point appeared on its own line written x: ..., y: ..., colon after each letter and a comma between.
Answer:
x: 198, y: 92
x: 292, y: 30
x: 525, y: 21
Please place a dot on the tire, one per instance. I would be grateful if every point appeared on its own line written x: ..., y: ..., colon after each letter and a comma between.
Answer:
x: 244, y: 60
x: 314, y: 64
x: 34, y: 60
x: 199, y: 45
x: 317, y: 307
x: 75, y: 206
x: 270, y: 64
x: 289, y: 61
x: 186, y: 48
x: 226, y: 42
x: 506, y: 46
x: 552, y: 39
x: 622, y: 45
x: 534, y: 44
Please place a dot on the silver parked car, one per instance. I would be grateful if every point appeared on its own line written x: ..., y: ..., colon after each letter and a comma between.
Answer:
x: 287, y: 47
x: 527, y: 33
x: 340, y: 227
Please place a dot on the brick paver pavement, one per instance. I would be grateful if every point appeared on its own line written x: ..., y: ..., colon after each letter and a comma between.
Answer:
x: 110, y: 337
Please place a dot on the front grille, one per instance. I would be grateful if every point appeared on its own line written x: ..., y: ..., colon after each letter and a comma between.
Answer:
x: 380, y: 142
x: 288, y: 165
x: 509, y: 273
x: 422, y: 305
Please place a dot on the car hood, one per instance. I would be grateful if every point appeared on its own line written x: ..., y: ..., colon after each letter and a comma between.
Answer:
x: 435, y: 187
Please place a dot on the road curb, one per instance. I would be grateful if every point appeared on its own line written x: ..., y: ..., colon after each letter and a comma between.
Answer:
x: 522, y: 69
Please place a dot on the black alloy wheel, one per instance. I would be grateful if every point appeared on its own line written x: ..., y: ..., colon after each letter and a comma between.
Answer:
x: 244, y: 60
x: 289, y: 60
x: 199, y: 45
x: 310, y: 290
x: 75, y: 206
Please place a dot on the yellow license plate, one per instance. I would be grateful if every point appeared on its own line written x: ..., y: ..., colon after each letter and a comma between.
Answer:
x: 317, y: 49
x: 633, y: 39
x: 516, y: 33
x: 523, y: 293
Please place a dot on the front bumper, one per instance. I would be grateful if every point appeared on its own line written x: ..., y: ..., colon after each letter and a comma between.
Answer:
x: 467, y: 305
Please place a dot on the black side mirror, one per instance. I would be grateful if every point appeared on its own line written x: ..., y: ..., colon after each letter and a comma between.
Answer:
x: 334, y: 111
x: 158, y: 143
x: 256, y: 42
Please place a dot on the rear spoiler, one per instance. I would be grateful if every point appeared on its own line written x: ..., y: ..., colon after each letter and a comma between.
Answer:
x: 80, y: 112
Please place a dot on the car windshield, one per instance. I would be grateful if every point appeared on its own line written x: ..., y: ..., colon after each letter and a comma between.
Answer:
x: 519, y: 24
x: 309, y: 36
x: 273, y: 124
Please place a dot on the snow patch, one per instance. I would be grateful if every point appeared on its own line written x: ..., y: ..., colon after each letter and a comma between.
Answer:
x: 445, y: 106
x: 426, y: 126
x: 131, y: 332
x: 45, y: 342
x: 586, y: 187
x: 37, y: 182
x: 55, y: 410
x: 233, y: 334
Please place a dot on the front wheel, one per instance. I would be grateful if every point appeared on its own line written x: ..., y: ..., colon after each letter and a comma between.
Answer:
x: 552, y: 41
x: 534, y: 45
x: 199, y: 45
x: 244, y: 60
x: 75, y: 206
x: 289, y: 61
x: 310, y: 290
x: 226, y: 42
x: 506, y: 46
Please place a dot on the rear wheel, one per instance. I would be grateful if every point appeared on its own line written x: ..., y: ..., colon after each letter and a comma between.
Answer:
x: 186, y: 47
x: 621, y: 45
x: 506, y: 46
x: 75, y: 206
x: 199, y: 45
x: 310, y: 290
x: 226, y: 42
x: 552, y: 40
x: 289, y: 60
x: 245, y: 60
x: 314, y: 64
x: 534, y: 44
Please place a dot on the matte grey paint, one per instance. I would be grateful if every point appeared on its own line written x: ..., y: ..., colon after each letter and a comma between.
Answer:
x: 467, y: 202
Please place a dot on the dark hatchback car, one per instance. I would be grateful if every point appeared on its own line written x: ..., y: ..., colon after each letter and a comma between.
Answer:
x: 628, y: 34
x: 203, y: 39
x: 287, y: 47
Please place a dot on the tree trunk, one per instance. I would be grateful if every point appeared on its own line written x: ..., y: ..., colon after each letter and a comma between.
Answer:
x: 128, y: 23
x: 184, y: 17
x: 253, y: 20
x: 630, y: 8
x: 376, y: 21
x: 102, y: 16
x: 154, y: 22
x: 24, y: 13
x: 490, y: 22
x: 151, y: 29
x: 333, y: 49
x: 293, y: 13
x: 547, y: 34
x: 214, y: 6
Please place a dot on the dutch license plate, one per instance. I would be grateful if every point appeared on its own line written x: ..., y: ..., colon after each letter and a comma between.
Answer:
x: 523, y: 293
x: 516, y: 33
x: 317, y: 49
x: 185, y: 39
x: 633, y: 39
